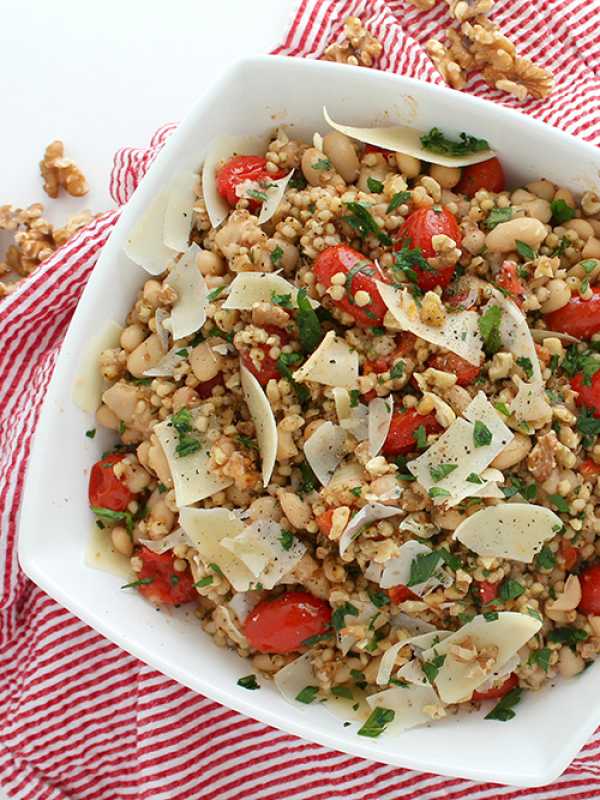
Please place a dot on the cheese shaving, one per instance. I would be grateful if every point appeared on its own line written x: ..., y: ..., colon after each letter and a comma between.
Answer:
x: 514, y: 531
x: 372, y: 512
x: 144, y: 245
x: 242, y: 604
x: 324, y: 450
x: 295, y: 676
x: 333, y: 363
x: 354, y: 419
x: 274, y: 191
x: 402, y: 139
x: 168, y: 364
x: 420, y: 641
x: 248, y: 288
x: 459, y: 333
x: 407, y: 703
x: 89, y: 384
x: 179, y: 212
x: 160, y: 317
x: 264, y: 422
x: 188, y: 313
x: 380, y: 416
x: 397, y: 570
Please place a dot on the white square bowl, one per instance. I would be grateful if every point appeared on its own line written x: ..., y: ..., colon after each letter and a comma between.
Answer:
x: 256, y: 95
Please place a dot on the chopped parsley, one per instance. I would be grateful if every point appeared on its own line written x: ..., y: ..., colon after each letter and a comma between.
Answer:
x: 545, y: 558
x: 503, y: 710
x: 319, y: 637
x: 473, y: 478
x: 283, y: 300
x: 174, y: 580
x: 216, y: 569
x: 354, y: 398
x: 589, y: 426
x: 399, y: 199
x: 297, y: 181
x: 540, y: 658
x: 283, y: 362
x: 121, y: 427
x: 206, y: 581
x: 374, y: 185
x: 409, y: 258
x: 309, y: 479
x: 140, y: 582
x: 397, y: 370
x: 560, y: 503
x: 524, y: 250
x: 431, y: 668
x: 356, y: 491
x: 586, y: 362
x: 322, y: 164
x: 359, y: 678
x: 379, y: 599
x: 248, y: 682
x: 509, y: 590
x: 518, y: 486
x: 567, y: 635
x: 286, y: 540
x: 490, y: 616
x: 437, y: 491
x: 256, y: 195
x: 362, y: 221
x: 342, y: 691
x: 307, y: 695
x: 465, y: 617
x: 114, y: 516
x: 276, y: 255
x: 421, y: 437
x: 91, y: 433
x: 437, y: 142
x: 526, y: 365
x: 489, y: 327
x: 422, y: 567
x: 496, y: 216
x: 247, y: 442
x: 482, y: 435
x: 377, y: 721
x: 309, y: 327
x: 340, y: 613
x: 561, y: 212
x: 442, y: 471
x: 216, y: 293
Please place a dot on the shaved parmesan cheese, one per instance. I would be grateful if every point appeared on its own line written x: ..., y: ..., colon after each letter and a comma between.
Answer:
x: 333, y: 363
x: 424, y: 530
x: 538, y: 335
x: 488, y: 488
x: 180, y: 211
x: 444, y: 413
x: 168, y: 364
x: 368, y: 613
x: 407, y: 703
x: 324, y: 450
x: 456, y: 446
x: 242, y: 604
x: 193, y: 478
x: 373, y: 571
x: 367, y: 514
x: 511, y: 530
x: 353, y: 419
x: 459, y: 333
x: 402, y: 139
x: 188, y: 314
x: 144, y: 245
x: 397, y: 570
x: 274, y: 191
x: 264, y: 422
x: 295, y: 676
x: 89, y: 383
x: 530, y: 402
x: 318, y: 141
x: 511, y: 665
x: 248, y: 288
x: 219, y: 151
x: 159, y: 546
x: 251, y: 549
x: 457, y: 680
x: 412, y: 672
x: 160, y: 317
x: 380, y: 417
x: 100, y: 554
x: 421, y: 642
x: 411, y: 624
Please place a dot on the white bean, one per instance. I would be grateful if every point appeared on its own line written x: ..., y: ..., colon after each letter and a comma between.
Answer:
x: 145, y: 356
x: 121, y: 540
x: 583, y: 229
x: 538, y: 208
x: 566, y: 195
x: 340, y: 151
x: 591, y: 248
x: 560, y: 294
x: 312, y: 173
x: 121, y: 399
x: 107, y: 418
x: 542, y: 188
x: 569, y: 663
x: 210, y: 263
x: 503, y: 238
x: 132, y: 336
x: 409, y: 166
x: 205, y: 363
x: 447, y: 177
x: 514, y: 452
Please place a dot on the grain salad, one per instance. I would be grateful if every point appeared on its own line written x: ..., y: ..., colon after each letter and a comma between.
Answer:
x: 357, y: 403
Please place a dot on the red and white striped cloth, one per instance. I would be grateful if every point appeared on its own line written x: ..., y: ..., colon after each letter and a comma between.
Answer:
x: 79, y: 718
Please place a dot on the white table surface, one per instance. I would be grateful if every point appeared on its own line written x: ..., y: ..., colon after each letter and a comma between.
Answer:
x: 103, y: 75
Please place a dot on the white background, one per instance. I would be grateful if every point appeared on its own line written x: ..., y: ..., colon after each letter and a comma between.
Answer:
x: 100, y: 75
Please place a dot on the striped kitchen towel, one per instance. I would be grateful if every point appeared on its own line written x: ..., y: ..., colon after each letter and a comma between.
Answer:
x: 79, y: 718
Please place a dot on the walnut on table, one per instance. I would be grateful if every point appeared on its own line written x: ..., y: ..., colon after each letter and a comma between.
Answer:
x: 60, y: 172
x: 359, y: 48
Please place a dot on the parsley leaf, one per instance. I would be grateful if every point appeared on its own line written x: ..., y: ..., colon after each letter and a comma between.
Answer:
x: 422, y: 567
x: 439, y: 473
x: 114, y: 516
x: 309, y: 327
x: 91, y: 433
x: 437, y: 491
x: 503, y: 710
x: 510, y: 590
x: 283, y: 300
x: 526, y: 365
x: 342, y: 691
x: 524, y: 250
x: 302, y: 391
x: 586, y: 362
x: 489, y: 327
x: 322, y: 164
x: 276, y: 255
x: 561, y: 212
x: 338, y: 616
x: 496, y: 216
x: 482, y: 435
x: 589, y: 426
x: 545, y: 558
x: 560, y: 503
x: 568, y: 635
x: 248, y: 682
x: 431, y: 668
x: 420, y: 436
x: 374, y: 185
x: 437, y: 142
x: 540, y: 658
x: 307, y: 695
x: 286, y: 539
x: 256, y: 195
x: 473, y: 478
x: 407, y: 259
x: 397, y: 370
x: 309, y: 479
x: 490, y: 616
x: 399, y: 199
x: 379, y: 599
x: 216, y: 293
x: 319, y: 637
x: 362, y: 221
x: 375, y: 724
x: 204, y: 582
x: 354, y: 398
x: 140, y: 582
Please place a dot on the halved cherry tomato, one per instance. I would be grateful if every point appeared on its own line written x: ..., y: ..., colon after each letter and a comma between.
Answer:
x: 325, y: 521
x: 508, y: 279
x: 378, y: 365
x: 580, y: 318
x: 496, y: 692
x: 588, y: 396
x: 361, y: 275
x: 398, y: 594
x: 283, y: 624
x: 417, y: 231
x: 374, y: 148
x: 569, y: 554
x: 485, y: 175
x: 166, y: 585
x: 204, y: 389
x: 589, y: 468
x: 401, y: 435
x: 105, y: 490
x: 240, y: 169
x: 449, y: 362
x: 267, y: 367
x: 486, y: 591
x: 590, y: 590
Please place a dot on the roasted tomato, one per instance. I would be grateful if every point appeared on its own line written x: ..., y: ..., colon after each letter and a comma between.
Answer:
x: 161, y: 583
x: 589, y: 468
x: 283, y: 624
x: 324, y: 521
x: 485, y: 175
x: 401, y: 435
x: 508, y: 279
x: 360, y: 276
x: 486, y: 591
x: 267, y: 366
x: 588, y: 396
x: 398, y: 594
x: 417, y: 231
x: 449, y: 362
x: 240, y: 169
x: 105, y: 489
x: 590, y: 590
x: 569, y: 554
x: 204, y: 389
x: 496, y: 692
x: 580, y: 318
x: 374, y: 148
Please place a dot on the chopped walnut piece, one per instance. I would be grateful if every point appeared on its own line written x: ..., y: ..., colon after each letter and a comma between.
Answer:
x: 360, y: 48
x: 466, y: 9
x: 542, y: 459
x: 450, y: 70
x: 60, y: 172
